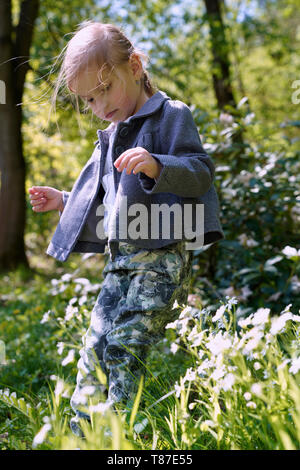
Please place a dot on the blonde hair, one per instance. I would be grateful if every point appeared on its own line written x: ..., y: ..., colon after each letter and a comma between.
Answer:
x: 101, y: 44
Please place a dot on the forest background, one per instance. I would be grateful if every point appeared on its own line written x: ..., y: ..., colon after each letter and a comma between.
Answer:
x: 236, y: 64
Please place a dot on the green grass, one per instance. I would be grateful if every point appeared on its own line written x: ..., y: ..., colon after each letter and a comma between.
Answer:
x: 225, y: 382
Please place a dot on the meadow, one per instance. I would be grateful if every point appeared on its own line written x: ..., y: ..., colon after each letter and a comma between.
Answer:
x: 226, y: 381
x: 227, y: 374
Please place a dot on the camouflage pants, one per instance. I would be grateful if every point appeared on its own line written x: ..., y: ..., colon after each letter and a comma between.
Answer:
x: 130, y: 314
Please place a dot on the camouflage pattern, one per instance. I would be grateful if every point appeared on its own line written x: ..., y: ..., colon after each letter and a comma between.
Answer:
x: 132, y: 309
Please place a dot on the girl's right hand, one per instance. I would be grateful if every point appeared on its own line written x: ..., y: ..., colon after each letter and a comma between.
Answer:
x: 45, y: 198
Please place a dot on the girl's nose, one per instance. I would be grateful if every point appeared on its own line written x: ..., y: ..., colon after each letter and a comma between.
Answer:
x: 98, y: 110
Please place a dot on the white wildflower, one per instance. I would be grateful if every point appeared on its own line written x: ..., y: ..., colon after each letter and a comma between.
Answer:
x: 192, y: 406
x: 218, y: 344
x: 174, y: 348
x: 82, y: 280
x: 217, y: 388
x: 251, y: 242
x: 218, y: 373
x: 69, y: 358
x: 290, y: 252
x: 200, y: 353
x: 287, y: 308
x: 226, y: 119
x: 59, y: 387
x: 183, y: 326
x: 178, y: 389
x: 244, y: 322
x: 295, y: 367
x: 219, y: 313
x: 244, y: 240
x: 66, y: 277
x: 251, y: 404
x: 227, y: 382
x: 261, y: 316
x: 256, y: 389
x: 283, y: 364
x: 186, y: 312
x: 70, y: 311
x: 175, y: 305
x: 206, y: 425
x: 82, y: 300
x: 278, y: 323
x: 231, y: 301
x: 205, y: 365
x: 195, y: 337
x: 60, y: 347
x: 253, y: 343
x: 190, y: 375
x: 172, y: 325
x: 247, y: 396
x: 41, y: 435
x: 46, y: 317
x: 257, y: 365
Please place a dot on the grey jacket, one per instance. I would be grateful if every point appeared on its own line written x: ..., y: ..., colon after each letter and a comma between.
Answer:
x: 166, y: 129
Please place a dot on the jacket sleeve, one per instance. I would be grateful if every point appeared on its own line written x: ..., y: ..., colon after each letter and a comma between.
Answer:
x: 186, y: 169
x: 65, y: 196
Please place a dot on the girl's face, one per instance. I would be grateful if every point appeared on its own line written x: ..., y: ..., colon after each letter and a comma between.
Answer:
x: 118, y: 96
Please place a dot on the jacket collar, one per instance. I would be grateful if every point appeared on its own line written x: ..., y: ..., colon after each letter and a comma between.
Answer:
x: 148, y: 108
x: 151, y: 105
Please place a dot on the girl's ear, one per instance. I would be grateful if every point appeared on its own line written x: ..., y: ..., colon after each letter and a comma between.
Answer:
x: 136, y: 65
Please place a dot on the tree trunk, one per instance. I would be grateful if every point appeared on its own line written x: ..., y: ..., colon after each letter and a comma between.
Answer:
x: 220, y: 53
x: 221, y: 73
x: 223, y: 91
x: 14, y: 56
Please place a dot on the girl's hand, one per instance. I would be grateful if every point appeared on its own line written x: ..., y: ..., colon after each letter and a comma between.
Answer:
x: 45, y: 198
x: 138, y: 159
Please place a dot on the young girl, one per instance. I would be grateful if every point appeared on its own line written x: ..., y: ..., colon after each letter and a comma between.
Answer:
x: 150, y: 156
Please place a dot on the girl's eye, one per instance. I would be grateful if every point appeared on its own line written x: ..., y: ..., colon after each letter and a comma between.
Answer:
x: 106, y: 89
x: 90, y: 100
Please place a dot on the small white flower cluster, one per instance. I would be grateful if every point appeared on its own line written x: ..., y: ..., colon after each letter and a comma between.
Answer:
x: 61, y: 388
x: 41, y: 435
x: 83, y: 286
x: 262, y: 316
x: 181, y: 324
x: 291, y: 252
x: 46, y: 317
x: 226, y: 359
x: 60, y: 285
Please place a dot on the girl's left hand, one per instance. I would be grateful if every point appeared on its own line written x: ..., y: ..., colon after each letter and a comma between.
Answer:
x: 138, y: 159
